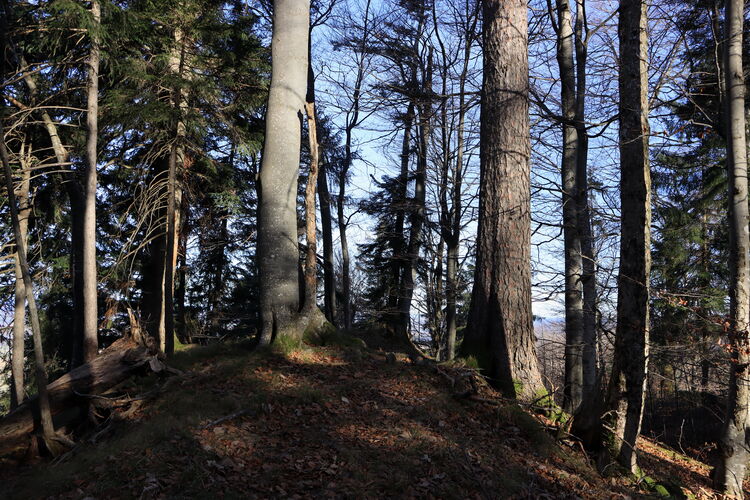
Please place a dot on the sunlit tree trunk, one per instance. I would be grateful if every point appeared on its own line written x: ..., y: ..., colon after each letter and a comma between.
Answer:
x: 278, y: 254
x: 500, y: 333
x: 735, y: 440
x: 90, y: 309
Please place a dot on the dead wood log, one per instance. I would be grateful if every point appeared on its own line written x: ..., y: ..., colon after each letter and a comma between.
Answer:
x: 118, y: 362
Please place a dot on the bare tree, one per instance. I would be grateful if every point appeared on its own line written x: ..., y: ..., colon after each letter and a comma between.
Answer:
x: 628, y: 383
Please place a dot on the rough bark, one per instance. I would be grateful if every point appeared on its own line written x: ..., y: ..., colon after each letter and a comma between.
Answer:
x: 90, y: 309
x: 311, y: 261
x: 18, y: 392
x: 627, y: 386
x: 572, y: 241
x: 735, y: 440
x: 500, y: 332
x: 277, y: 243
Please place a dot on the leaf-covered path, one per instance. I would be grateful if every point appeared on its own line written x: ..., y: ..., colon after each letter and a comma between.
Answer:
x: 322, y: 422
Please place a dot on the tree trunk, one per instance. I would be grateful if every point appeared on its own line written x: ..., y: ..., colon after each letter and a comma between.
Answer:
x: 278, y: 252
x: 416, y: 210
x: 90, y: 309
x: 18, y: 391
x: 76, y: 198
x: 453, y: 242
x: 627, y: 387
x: 329, y: 272
x: 500, y: 333
x: 398, y: 245
x: 48, y: 429
x: 732, y: 466
x: 572, y: 241
x: 311, y: 261
x: 590, y: 372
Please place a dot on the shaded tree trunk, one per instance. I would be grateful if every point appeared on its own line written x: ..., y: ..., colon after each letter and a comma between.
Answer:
x: 90, y: 309
x: 278, y: 253
x: 48, y: 430
x: 398, y: 245
x: 329, y: 272
x: 416, y: 209
x: 18, y: 391
x: 734, y: 444
x: 500, y: 333
x: 628, y: 383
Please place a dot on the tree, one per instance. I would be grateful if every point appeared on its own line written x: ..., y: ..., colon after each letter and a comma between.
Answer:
x: 500, y: 331
x: 574, y: 337
x: 90, y: 309
x: 730, y: 471
x: 277, y: 232
x: 627, y: 386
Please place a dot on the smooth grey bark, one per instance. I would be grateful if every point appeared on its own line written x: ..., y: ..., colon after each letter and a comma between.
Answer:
x: 500, y: 333
x: 278, y: 253
x: 734, y: 444
x: 573, y: 390
x: 18, y: 391
x: 90, y: 309
x: 629, y: 372
x: 590, y: 300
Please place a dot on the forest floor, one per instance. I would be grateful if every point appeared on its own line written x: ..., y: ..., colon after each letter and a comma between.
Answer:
x: 328, y: 422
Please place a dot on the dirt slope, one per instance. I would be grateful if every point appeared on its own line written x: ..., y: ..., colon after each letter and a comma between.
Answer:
x: 325, y: 422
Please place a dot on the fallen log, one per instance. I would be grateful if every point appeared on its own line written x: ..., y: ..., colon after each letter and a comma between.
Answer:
x: 70, y: 394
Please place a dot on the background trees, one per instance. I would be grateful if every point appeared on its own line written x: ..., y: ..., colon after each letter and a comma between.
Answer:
x: 178, y: 203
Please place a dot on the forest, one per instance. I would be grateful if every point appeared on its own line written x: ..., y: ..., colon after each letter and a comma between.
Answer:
x: 374, y: 249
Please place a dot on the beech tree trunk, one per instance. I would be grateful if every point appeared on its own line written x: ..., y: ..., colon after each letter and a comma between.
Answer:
x: 18, y: 391
x: 90, y: 309
x: 572, y: 240
x: 278, y: 253
x: 735, y: 440
x: 628, y: 384
x: 590, y: 371
x: 500, y: 333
